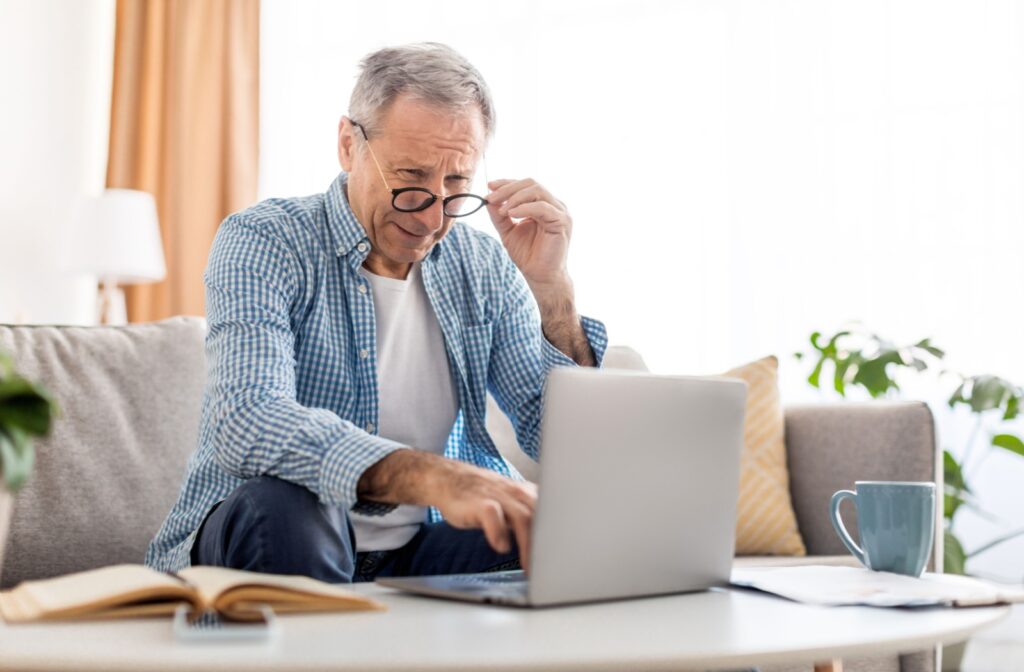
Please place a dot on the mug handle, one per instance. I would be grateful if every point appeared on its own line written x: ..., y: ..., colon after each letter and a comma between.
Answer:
x: 837, y: 522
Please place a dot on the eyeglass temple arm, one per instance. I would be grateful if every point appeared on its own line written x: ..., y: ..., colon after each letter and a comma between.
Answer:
x: 372, y: 155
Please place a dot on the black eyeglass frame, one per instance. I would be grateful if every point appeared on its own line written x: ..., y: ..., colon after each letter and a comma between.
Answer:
x: 395, y: 193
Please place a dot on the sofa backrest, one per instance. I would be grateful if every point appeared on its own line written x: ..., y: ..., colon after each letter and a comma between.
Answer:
x: 112, y: 467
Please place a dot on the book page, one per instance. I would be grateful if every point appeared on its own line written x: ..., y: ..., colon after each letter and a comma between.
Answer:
x: 836, y: 586
x: 90, y: 591
x: 222, y: 587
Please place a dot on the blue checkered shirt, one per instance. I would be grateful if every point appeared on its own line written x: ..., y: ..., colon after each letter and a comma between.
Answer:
x: 291, y: 386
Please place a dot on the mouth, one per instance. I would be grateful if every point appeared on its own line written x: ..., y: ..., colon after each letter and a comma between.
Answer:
x: 410, y: 236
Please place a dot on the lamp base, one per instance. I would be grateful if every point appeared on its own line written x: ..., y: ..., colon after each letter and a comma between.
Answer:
x: 110, y: 306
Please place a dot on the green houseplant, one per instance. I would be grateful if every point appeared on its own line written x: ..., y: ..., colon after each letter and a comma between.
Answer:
x: 861, y: 359
x: 26, y: 411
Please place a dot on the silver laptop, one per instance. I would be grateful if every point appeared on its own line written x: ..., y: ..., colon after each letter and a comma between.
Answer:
x: 639, y: 478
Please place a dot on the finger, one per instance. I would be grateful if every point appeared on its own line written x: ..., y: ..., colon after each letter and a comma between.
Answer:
x: 529, y: 195
x: 525, y: 493
x: 521, y: 518
x: 543, y: 212
x: 495, y: 184
x: 502, y: 222
x: 492, y: 521
x: 508, y: 188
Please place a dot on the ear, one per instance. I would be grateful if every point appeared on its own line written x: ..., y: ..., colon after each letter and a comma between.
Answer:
x: 346, y: 143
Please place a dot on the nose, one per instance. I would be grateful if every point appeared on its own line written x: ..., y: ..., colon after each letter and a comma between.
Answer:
x: 431, y: 220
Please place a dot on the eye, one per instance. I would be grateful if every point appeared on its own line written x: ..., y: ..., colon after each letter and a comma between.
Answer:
x: 411, y: 173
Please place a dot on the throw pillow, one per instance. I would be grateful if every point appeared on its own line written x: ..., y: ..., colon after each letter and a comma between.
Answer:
x: 765, y: 521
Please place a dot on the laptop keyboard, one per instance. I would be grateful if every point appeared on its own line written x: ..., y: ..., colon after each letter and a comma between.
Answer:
x: 512, y: 578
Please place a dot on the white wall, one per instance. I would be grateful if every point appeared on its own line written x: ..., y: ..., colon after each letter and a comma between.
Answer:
x: 56, y: 79
x: 741, y: 172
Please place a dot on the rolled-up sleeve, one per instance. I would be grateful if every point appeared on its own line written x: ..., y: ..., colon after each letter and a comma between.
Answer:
x: 521, y: 358
x: 257, y: 425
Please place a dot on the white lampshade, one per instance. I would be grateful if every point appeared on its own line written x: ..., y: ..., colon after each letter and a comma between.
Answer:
x: 116, y: 236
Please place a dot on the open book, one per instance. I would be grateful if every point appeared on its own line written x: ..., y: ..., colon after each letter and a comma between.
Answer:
x: 122, y: 591
x: 839, y: 586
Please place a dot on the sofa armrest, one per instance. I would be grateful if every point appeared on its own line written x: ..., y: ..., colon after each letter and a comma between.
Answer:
x: 829, y: 447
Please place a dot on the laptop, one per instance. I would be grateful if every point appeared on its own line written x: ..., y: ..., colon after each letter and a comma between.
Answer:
x: 637, y: 493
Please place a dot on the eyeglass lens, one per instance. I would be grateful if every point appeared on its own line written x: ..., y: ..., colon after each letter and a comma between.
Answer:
x: 415, y: 200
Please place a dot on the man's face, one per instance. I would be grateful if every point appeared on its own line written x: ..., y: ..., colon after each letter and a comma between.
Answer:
x: 417, y: 146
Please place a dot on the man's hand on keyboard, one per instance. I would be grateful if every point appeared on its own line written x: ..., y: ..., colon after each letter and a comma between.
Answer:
x: 471, y: 497
x: 467, y: 496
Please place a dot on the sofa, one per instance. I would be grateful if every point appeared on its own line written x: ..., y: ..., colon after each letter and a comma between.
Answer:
x: 130, y: 399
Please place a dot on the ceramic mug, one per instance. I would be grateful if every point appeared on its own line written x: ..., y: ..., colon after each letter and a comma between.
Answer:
x: 896, y: 521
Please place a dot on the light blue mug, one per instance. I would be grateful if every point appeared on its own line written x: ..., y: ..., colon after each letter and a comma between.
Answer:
x: 896, y: 521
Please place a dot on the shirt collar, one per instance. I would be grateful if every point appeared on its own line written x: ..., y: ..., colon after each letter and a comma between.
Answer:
x: 345, y: 229
x: 349, y: 235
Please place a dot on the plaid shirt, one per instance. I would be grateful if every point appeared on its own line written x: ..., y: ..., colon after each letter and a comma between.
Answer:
x: 291, y: 385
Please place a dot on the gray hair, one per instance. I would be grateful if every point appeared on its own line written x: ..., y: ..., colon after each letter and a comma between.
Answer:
x: 431, y: 72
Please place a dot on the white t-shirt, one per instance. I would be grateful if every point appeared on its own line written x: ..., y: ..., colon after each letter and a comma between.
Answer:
x: 418, y: 400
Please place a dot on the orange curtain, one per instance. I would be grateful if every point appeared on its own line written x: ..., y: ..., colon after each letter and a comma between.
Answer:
x: 184, y: 126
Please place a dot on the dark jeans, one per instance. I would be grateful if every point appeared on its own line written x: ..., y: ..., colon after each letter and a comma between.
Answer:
x: 274, y: 526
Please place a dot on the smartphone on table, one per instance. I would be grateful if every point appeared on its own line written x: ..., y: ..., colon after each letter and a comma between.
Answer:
x: 210, y: 626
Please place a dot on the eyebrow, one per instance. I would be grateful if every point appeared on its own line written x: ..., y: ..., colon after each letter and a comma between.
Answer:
x: 412, y: 168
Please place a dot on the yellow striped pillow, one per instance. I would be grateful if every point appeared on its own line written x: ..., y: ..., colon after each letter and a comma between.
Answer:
x: 765, y: 521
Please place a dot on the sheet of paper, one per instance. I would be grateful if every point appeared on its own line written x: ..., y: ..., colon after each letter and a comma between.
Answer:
x: 838, y: 586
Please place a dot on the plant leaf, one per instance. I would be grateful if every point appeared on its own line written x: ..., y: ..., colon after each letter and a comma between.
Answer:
x: 952, y: 472
x: 951, y: 503
x: 814, y: 341
x: 1009, y: 442
x: 926, y: 345
x: 955, y: 559
x: 26, y: 406
x: 815, y: 378
x: 30, y: 415
x: 16, y: 459
x: 842, y: 371
x: 1012, y: 408
x: 873, y: 374
x: 958, y: 395
x: 989, y: 392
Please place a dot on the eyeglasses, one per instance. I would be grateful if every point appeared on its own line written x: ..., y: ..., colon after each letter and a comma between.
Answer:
x: 414, y: 199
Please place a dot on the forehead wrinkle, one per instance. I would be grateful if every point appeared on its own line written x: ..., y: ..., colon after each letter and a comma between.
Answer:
x: 422, y: 136
x: 408, y: 145
x: 458, y: 163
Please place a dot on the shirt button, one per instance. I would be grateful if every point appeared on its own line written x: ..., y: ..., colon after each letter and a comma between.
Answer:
x: 362, y: 247
x: 362, y: 289
x: 370, y: 428
x: 364, y: 353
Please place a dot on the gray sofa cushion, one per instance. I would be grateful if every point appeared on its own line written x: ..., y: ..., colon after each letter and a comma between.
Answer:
x: 110, y: 471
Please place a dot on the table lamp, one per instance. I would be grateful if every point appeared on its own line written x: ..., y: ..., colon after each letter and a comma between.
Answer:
x: 116, y: 237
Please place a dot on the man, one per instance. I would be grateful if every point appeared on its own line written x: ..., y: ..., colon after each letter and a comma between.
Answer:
x: 353, y: 337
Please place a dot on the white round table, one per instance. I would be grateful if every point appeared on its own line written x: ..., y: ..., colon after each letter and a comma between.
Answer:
x: 699, y: 631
